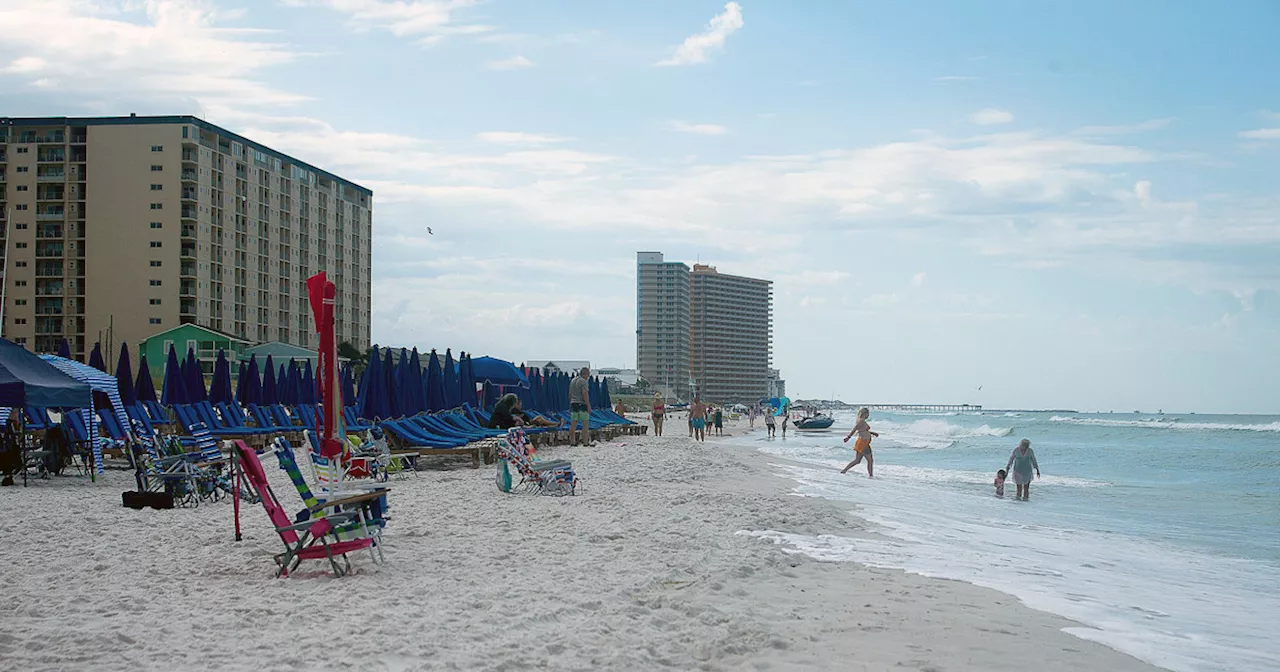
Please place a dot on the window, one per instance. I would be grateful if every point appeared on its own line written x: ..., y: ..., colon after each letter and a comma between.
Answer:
x: 19, y: 283
x: 23, y: 169
x: 154, y: 320
x: 155, y: 302
x: 155, y: 167
x: 157, y: 206
x: 157, y: 225
x: 19, y: 320
x: 154, y: 263
x: 20, y: 227
x: 157, y: 148
x: 155, y: 283
x: 20, y: 246
x: 156, y: 243
x: 22, y: 187
x: 23, y: 150
x: 20, y: 341
x: 157, y: 187
x: 20, y: 264
x: 19, y: 302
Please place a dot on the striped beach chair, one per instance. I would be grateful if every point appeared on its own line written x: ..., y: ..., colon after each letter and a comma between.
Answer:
x: 551, y: 477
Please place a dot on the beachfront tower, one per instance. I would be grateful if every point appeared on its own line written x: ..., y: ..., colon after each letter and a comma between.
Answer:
x: 662, y: 324
x: 731, y: 335
x: 120, y: 227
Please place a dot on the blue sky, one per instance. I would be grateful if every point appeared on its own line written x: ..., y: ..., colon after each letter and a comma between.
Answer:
x: 1067, y: 204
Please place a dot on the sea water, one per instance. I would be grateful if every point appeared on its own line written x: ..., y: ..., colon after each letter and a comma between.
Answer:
x: 1160, y: 535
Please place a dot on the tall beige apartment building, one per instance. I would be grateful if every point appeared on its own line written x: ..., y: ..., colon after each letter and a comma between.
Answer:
x: 120, y: 227
x: 731, y: 335
x: 702, y: 332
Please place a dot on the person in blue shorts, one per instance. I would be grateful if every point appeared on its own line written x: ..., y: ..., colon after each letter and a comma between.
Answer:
x: 698, y: 416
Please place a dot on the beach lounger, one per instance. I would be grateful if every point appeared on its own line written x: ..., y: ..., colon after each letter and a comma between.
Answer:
x: 157, y: 413
x: 555, y: 478
x: 318, y: 539
x: 411, y: 438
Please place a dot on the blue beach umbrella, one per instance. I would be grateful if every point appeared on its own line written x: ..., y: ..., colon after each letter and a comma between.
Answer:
x: 311, y: 395
x: 252, y: 384
x: 497, y: 371
x: 348, y: 385
x: 194, y: 379
x: 220, y: 386
x: 293, y: 384
x: 365, y: 388
x: 241, y: 376
x: 145, y: 389
x: 450, y: 375
x: 604, y: 393
x: 124, y: 377
x: 492, y: 393
x: 96, y: 360
x: 173, y: 390
x: 437, y: 399
x: 525, y: 392
x: 269, y: 395
x: 282, y: 385
x: 413, y: 395
x: 64, y: 349
x: 390, y: 401
x: 468, y: 387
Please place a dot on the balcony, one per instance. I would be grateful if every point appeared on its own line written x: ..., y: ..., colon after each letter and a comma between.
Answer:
x: 51, y: 176
x: 50, y: 216
x: 49, y: 288
x: 187, y: 306
x: 190, y: 155
x: 79, y: 139
x: 187, y: 288
x: 49, y: 249
x: 188, y: 230
x: 51, y: 193
x: 51, y: 155
x: 188, y: 251
x: 189, y: 175
x: 49, y: 138
x: 188, y: 212
x: 49, y: 231
x: 188, y: 269
x: 189, y: 194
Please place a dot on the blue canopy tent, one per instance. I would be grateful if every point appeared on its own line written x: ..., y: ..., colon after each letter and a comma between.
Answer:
x: 194, y: 379
x: 220, y: 387
x: 173, y: 390
x: 450, y: 376
x: 269, y: 383
x: 124, y: 377
x: 497, y: 371
x: 28, y: 380
x: 64, y: 349
x: 145, y: 388
x: 436, y: 397
x: 98, y: 382
x: 307, y: 388
x: 252, y: 384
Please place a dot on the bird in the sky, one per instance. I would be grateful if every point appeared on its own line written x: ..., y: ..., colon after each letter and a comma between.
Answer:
x: 429, y: 233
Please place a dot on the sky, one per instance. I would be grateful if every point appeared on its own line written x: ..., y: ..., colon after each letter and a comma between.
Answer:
x: 1032, y: 205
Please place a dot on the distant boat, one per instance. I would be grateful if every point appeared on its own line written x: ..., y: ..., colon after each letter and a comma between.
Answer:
x: 813, y: 420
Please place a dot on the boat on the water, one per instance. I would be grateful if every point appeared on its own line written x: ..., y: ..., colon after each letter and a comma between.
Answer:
x: 813, y: 420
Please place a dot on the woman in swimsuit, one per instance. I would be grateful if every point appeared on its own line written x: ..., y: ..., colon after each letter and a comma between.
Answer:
x: 863, y: 445
x: 659, y: 409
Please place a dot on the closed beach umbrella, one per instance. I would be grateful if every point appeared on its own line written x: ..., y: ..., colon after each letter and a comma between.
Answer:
x: 409, y: 383
x: 436, y: 400
x: 362, y: 385
x: 468, y: 386
x: 310, y: 394
x: 348, y: 385
x: 241, y: 376
x: 605, y: 401
x: 390, y: 404
x: 220, y: 386
x: 145, y: 389
x: 64, y: 349
x: 269, y: 383
x: 174, y: 390
x: 525, y: 392
x: 195, y: 379
x: 449, y: 373
x: 252, y: 383
x: 282, y: 385
x: 96, y: 360
x: 292, y: 391
x: 124, y: 377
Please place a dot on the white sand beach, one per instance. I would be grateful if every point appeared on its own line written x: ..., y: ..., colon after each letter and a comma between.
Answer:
x: 643, y: 570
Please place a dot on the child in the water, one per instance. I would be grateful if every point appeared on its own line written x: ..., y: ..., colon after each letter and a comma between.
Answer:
x: 1000, y: 476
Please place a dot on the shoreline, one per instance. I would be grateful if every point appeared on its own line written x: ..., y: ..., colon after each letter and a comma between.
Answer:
x: 646, y: 569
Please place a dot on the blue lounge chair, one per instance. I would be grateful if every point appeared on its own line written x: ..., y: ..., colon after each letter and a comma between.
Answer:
x: 411, y: 437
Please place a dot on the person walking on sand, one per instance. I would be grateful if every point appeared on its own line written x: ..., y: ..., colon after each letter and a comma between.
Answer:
x: 698, y: 417
x: 769, y: 423
x: 580, y: 408
x: 863, y: 445
x: 1021, y: 462
x: 658, y: 410
x: 719, y: 417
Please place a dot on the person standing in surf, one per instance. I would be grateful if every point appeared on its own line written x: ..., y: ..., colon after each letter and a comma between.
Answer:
x: 863, y: 445
x: 658, y: 410
x: 769, y: 422
x: 1021, y: 462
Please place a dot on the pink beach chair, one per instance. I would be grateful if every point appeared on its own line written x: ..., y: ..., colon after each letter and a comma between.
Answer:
x: 318, y: 539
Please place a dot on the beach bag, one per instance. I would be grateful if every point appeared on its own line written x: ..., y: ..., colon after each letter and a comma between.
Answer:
x: 502, y: 476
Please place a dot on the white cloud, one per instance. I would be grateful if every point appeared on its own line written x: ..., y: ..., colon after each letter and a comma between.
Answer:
x: 184, y: 53
x: 991, y: 117
x: 1262, y: 134
x: 956, y: 78
x: 811, y: 278
x: 881, y: 300
x: 513, y: 63
x: 1143, y: 191
x: 517, y: 138
x: 918, y: 279
x: 695, y: 47
x: 1124, y: 129
x: 697, y: 129
x: 426, y: 20
x: 812, y: 301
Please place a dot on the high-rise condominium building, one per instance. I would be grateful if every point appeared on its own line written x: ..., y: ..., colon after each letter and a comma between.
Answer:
x: 662, y: 324
x: 731, y: 336
x: 137, y: 224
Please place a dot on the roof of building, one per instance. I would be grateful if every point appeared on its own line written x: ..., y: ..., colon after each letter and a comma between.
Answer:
x: 135, y: 120
x: 280, y: 349
x: 193, y: 325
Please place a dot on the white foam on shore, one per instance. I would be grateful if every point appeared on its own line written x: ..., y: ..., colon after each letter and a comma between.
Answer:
x: 1169, y: 423
x: 1180, y: 609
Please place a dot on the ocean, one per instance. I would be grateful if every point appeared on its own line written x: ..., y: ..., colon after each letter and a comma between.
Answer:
x: 1160, y: 535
